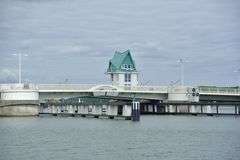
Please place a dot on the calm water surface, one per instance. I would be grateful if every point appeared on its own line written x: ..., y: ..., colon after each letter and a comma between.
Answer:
x: 154, y: 137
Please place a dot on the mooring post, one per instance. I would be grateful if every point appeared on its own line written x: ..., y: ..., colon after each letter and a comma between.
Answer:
x: 236, y: 109
x: 135, y: 109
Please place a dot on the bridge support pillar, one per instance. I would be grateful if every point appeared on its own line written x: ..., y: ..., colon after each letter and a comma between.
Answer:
x: 70, y: 108
x: 145, y: 108
x: 54, y: 109
x: 126, y: 110
x: 150, y: 108
x: 171, y: 109
x: 209, y: 109
x: 155, y: 108
x: 166, y: 109
x: 136, y: 111
x: 193, y: 109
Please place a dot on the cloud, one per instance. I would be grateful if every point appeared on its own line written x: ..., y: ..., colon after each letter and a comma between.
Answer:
x: 7, y: 76
x: 79, y: 35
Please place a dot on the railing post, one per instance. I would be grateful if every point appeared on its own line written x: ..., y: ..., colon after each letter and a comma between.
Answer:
x: 236, y: 109
x: 136, y: 111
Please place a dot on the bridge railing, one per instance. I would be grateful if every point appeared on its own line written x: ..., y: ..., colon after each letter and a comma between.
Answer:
x: 225, y: 90
x: 22, y: 86
x: 145, y: 88
x: 65, y: 86
x: 91, y: 86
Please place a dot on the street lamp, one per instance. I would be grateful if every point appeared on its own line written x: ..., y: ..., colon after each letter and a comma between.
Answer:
x: 181, y: 61
x: 238, y: 76
x: 20, y: 66
x: 182, y: 73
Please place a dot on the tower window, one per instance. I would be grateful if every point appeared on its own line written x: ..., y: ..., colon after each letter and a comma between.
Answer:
x: 127, y: 66
x: 127, y: 77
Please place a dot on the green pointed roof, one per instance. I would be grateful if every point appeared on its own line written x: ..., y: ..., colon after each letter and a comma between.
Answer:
x: 119, y: 59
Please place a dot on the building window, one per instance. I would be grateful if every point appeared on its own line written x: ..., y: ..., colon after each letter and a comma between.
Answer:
x: 127, y: 66
x: 127, y: 77
x: 112, y: 77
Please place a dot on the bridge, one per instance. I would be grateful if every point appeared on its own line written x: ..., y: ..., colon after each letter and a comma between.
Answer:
x: 123, y: 97
x: 153, y: 99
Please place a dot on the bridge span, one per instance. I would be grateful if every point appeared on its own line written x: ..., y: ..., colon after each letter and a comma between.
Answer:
x: 124, y: 97
x: 153, y: 99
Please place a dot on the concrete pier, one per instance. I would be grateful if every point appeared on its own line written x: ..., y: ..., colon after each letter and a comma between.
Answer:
x: 18, y: 108
x: 87, y: 110
x: 201, y: 108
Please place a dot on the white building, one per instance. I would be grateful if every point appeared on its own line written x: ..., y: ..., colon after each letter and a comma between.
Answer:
x: 123, y: 70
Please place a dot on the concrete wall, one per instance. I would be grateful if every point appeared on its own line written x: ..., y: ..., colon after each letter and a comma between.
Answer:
x: 183, y: 108
x: 226, y: 109
x: 97, y: 109
x: 87, y: 109
x: 83, y: 109
x: 183, y: 94
x: 134, y: 79
x: 119, y: 79
x: 127, y: 110
x: 19, y: 110
x: 20, y: 95
x: 112, y: 110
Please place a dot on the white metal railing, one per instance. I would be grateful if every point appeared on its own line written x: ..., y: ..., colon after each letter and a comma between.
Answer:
x: 65, y: 86
x: 21, y: 86
x: 91, y: 86
x: 145, y: 88
x: 220, y: 90
x: 154, y: 89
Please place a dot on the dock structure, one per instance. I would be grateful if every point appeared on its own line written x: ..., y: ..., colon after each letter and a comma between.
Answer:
x: 116, y: 100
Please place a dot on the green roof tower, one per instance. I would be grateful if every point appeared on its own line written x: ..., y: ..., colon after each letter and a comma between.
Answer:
x: 123, y: 70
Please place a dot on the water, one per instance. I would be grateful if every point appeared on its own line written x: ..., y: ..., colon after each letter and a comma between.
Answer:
x: 154, y: 138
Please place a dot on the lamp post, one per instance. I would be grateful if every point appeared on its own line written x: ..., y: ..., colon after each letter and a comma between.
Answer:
x: 19, y: 66
x: 238, y: 76
x: 181, y: 61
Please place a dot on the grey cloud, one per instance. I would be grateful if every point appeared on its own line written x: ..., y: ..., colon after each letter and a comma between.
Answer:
x: 77, y: 38
x: 7, y: 76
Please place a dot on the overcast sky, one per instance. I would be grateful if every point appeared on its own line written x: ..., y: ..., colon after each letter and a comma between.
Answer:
x: 75, y: 39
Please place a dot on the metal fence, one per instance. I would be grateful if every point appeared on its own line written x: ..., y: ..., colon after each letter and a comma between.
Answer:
x: 65, y: 86
x: 79, y: 87
x: 225, y: 90
x: 21, y: 86
x: 94, y: 86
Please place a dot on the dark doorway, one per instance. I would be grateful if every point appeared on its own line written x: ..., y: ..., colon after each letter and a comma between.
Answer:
x: 120, y: 109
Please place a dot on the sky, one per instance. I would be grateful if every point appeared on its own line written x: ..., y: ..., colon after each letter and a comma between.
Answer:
x: 73, y: 40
